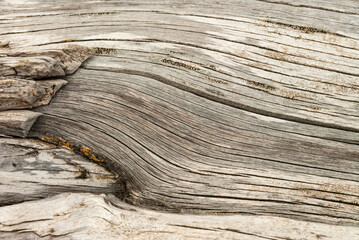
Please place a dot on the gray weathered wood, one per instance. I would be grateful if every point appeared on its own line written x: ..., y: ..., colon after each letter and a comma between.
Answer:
x: 236, y: 107
x: 297, y: 68
x: 87, y: 217
x: 17, y: 93
x: 17, y: 123
x: 45, y: 63
x: 32, y: 169
x: 182, y: 152
x: 18, y: 90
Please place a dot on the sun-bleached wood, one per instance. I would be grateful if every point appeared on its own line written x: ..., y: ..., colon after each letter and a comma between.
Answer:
x: 17, y: 93
x: 236, y: 107
x: 43, y: 63
x: 31, y: 169
x: 87, y: 216
x: 18, y: 88
x: 17, y: 123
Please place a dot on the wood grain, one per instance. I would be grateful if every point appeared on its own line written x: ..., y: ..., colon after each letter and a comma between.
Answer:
x: 183, y: 152
x: 31, y: 169
x: 17, y: 123
x: 204, y: 107
x: 62, y: 217
x: 18, y: 93
x: 284, y: 69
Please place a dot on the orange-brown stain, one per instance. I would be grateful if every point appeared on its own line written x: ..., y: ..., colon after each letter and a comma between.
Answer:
x: 85, y: 151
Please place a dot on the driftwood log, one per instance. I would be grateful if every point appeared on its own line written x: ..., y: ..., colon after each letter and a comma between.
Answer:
x: 179, y: 119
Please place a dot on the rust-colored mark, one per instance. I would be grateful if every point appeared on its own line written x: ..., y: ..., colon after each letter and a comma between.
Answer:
x: 85, y: 151
x: 290, y: 94
x: 179, y: 64
x: 303, y: 29
x: 216, y: 80
x: 90, y: 154
x: 105, y: 51
x: 277, y: 55
x: 93, y: 14
x: 261, y: 85
x: 103, y: 177
x: 314, y: 107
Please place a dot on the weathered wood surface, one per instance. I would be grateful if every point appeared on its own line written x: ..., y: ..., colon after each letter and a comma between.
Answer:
x: 87, y: 216
x: 241, y: 107
x: 289, y: 68
x: 32, y: 169
x: 43, y: 64
x: 17, y: 123
x: 182, y: 152
x: 19, y: 90
x: 24, y: 93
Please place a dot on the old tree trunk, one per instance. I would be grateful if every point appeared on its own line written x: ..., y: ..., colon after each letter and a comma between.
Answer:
x: 179, y: 119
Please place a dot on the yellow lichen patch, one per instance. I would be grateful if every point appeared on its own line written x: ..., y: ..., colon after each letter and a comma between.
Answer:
x: 85, y: 151
x: 57, y: 141
x: 65, y: 143
x: 50, y: 139
x: 89, y: 153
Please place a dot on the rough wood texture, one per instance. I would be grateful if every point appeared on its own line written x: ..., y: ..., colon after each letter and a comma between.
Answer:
x: 32, y: 169
x: 24, y: 93
x: 86, y: 216
x: 44, y: 64
x: 182, y: 152
x: 18, y: 90
x: 17, y: 123
x: 236, y: 107
x: 298, y: 67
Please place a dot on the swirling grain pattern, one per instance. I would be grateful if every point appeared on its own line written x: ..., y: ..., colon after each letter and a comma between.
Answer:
x: 240, y: 107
